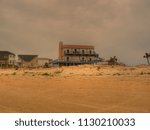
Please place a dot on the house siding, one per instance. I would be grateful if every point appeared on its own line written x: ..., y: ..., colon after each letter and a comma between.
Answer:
x: 77, y: 54
x: 7, y: 59
x: 31, y: 63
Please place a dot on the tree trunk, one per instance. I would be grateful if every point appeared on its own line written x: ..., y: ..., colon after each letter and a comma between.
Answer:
x: 148, y: 61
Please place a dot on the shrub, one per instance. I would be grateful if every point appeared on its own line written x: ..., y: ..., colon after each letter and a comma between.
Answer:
x: 14, y: 73
x: 46, y: 74
x: 148, y: 73
x: 98, y: 68
x: 58, y: 72
x: 117, y: 74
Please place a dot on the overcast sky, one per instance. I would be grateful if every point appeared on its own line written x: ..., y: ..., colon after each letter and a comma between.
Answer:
x: 114, y: 27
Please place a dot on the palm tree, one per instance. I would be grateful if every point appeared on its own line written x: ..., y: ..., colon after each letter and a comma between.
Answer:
x: 147, y: 57
x: 113, y: 61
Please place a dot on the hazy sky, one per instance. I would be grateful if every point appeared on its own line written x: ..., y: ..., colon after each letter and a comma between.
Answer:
x: 114, y: 27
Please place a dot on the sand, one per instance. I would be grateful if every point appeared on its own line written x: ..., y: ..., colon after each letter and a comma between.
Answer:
x: 87, y: 88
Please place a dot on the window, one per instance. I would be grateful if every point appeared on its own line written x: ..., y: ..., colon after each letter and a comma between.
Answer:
x: 90, y: 52
x: 67, y: 58
x: 67, y: 51
x: 5, y: 56
x: 82, y: 58
x: 90, y: 59
x: 82, y: 51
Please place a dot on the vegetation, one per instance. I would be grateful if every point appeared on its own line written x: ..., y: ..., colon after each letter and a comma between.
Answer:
x: 113, y: 61
x: 147, y: 55
x: 98, y: 68
x: 117, y: 74
x: 46, y: 74
x: 14, y: 73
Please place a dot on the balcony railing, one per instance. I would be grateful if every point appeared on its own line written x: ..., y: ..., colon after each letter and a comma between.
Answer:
x: 4, y: 58
x: 77, y: 53
x: 75, y: 62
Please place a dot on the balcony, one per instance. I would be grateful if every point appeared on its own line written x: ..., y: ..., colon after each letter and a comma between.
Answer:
x: 77, y: 53
x: 74, y: 62
x: 4, y: 58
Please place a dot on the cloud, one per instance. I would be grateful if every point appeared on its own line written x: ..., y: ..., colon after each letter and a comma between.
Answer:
x: 114, y: 27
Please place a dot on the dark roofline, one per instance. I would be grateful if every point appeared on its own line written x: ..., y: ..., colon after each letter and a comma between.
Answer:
x: 78, y: 46
x: 6, y: 53
x: 27, y: 57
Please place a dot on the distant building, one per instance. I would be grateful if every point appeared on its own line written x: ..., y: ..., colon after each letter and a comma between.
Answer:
x: 42, y: 62
x: 7, y: 59
x: 76, y: 55
x: 28, y: 60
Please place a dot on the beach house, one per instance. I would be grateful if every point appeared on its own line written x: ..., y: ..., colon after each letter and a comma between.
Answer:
x: 76, y: 55
x: 28, y: 60
x: 7, y: 59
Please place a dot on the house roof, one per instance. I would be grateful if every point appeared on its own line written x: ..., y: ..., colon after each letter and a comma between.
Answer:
x: 27, y: 57
x: 6, y: 53
x: 78, y: 46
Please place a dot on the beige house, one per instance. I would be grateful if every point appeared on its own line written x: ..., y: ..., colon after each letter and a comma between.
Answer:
x: 42, y: 62
x: 7, y: 59
x: 28, y: 60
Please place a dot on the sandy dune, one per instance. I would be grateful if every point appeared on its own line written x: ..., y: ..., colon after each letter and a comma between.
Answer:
x: 86, y: 88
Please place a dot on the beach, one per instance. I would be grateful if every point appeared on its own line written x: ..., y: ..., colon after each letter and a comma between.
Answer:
x: 85, y: 88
